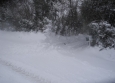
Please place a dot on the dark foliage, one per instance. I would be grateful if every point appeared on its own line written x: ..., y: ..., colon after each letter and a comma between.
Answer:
x: 103, y: 34
x: 92, y: 10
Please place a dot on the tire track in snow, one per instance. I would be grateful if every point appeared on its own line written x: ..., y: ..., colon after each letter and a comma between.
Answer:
x: 24, y: 72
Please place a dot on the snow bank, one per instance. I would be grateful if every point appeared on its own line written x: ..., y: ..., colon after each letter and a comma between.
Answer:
x: 47, y: 58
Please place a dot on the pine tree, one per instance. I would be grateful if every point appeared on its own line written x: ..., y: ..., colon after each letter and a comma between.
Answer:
x: 92, y: 10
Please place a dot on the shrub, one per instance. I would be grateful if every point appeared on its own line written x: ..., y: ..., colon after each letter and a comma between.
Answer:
x: 102, y: 33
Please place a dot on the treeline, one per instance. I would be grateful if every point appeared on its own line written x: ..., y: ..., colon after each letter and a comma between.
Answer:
x: 65, y: 17
x: 30, y: 15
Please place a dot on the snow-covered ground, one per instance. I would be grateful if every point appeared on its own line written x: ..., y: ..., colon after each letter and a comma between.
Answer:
x: 46, y: 58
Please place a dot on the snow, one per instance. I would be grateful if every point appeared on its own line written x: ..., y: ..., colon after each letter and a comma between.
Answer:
x: 7, y: 76
x: 28, y: 57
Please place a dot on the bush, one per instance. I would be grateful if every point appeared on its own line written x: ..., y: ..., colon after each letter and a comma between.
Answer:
x: 102, y: 33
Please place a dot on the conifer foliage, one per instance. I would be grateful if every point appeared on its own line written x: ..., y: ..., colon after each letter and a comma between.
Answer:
x: 103, y: 34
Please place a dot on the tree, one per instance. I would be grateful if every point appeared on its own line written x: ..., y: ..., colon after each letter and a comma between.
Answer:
x: 42, y: 8
x: 19, y: 13
x: 92, y: 10
x: 99, y: 15
x: 73, y: 19
x: 103, y: 34
x: 68, y: 23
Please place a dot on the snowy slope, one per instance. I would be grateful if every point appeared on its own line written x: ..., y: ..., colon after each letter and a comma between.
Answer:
x: 9, y: 76
x: 46, y: 58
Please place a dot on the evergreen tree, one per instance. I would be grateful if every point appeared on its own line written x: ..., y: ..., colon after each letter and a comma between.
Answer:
x: 73, y: 20
x: 69, y: 23
x: 92, y: 10
x: 103, y: 34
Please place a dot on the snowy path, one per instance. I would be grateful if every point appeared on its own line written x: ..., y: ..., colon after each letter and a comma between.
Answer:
x: 7, y: 76
x: 9, y: 67
x: 33, y: 58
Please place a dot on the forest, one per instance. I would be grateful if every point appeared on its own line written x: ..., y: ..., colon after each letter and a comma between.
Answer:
x: 95, y: 18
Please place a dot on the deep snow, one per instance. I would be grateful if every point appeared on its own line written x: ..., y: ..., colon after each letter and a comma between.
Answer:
x: 28, y: 57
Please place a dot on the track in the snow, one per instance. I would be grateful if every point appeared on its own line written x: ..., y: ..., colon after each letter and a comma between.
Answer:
x: 24, y: 72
